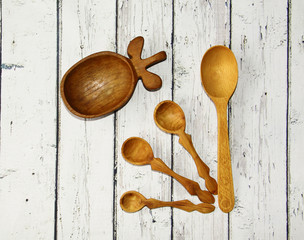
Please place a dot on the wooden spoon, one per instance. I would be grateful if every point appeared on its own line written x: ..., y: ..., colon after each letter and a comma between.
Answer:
x: 133, y: 201
x: 104, y: 82
x: 137, y: 151
x: 219, y: 73
x: 170, y: 118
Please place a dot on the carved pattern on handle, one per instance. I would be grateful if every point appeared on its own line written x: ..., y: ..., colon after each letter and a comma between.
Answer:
x: 225, y: 179
x: 226, y: 192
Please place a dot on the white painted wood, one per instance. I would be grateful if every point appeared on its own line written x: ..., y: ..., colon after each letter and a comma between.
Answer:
x: 28, y: 120
x: 152, y: 20
x: 296, y: 120
x: 86, y: 153
x: 89, y: 184
x: 198, y: 25
x: 258, y: 120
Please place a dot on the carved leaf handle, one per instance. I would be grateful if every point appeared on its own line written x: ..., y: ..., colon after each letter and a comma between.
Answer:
x: 150, y: 80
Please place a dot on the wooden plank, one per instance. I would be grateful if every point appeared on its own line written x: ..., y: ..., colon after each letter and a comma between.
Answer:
x: 152, y: 20
x: 28, y: 120
x: 197, y: 26
x: 258, y: 120
x: 296, y: 119
x: 86, y: 153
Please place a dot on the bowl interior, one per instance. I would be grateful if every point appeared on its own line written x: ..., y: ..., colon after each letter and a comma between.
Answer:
x: 170, y: 117
x: 219, y: 72
x: 98, y: 85
x: 137, y: 151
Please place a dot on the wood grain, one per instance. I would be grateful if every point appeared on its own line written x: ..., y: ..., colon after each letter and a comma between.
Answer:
x: 103, y: 82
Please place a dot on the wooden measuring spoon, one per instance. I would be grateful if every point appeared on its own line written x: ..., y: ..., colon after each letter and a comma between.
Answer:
x: 133, y: 201
x: 170, y: 118
x: 104, y: 82
x: 137, y: 151
x: 219, y: 73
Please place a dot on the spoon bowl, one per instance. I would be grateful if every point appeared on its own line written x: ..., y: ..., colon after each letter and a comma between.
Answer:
x: 169, y: 117
x: 132, y: 201
x: 219, y: 75
x: 219, y: 72
x: 137, y: 151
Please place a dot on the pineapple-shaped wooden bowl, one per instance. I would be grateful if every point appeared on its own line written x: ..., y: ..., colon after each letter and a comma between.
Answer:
x: 104, y: 82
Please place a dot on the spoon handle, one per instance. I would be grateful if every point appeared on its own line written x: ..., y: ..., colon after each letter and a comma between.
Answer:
x: 225, y: 180
x: 203, y: 170
x: 192, y: 187
x: 185, y: 205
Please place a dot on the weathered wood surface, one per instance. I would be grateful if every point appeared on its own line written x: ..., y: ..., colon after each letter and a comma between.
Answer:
x: 295, y: 122
x: 61, y: 177
x: 136, y: 119
x: 85, y: 158
x: 28, y: 119
x: 196, y: 28
x: 258, y: 120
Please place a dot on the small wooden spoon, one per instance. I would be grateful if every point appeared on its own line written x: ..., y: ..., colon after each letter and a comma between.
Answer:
x: 104, y: 82
x: 170, y: 118
x: 137, y: 151
x: 219, y: 73
x: 133, y: 201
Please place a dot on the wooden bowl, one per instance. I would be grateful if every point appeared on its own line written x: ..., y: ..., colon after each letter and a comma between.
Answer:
x: 104, y: 82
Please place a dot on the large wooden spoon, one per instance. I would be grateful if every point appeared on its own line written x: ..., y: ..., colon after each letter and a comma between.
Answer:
x: 219, y: 73
x: 133, y: 201
x: 137, y: 151
x: 170, y: 118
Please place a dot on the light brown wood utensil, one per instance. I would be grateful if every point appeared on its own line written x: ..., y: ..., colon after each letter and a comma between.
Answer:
x: 137, y: 151
x: 104, y: 82
x: 133, y: 201
x: 170, y: 118
x: 219, y: 73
